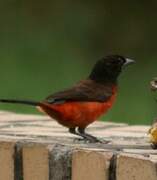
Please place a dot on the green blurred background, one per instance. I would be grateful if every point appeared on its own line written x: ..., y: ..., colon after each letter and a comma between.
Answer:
x: 48, y: 45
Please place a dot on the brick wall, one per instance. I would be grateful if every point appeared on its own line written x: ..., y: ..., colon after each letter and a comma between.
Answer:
x: 37, y: 148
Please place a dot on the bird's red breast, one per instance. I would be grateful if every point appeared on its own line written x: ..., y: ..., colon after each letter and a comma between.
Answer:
x: 78, y: 114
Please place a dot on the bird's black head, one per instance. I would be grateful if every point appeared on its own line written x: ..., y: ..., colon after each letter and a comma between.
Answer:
x: 108, y: 68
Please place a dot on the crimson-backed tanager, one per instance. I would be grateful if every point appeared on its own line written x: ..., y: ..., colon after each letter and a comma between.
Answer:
x: 87, y: 100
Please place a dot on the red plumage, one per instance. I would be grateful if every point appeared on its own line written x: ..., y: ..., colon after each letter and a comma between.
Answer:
x: 78, y: 114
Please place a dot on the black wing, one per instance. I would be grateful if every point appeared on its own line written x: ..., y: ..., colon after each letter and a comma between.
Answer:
x: 86, y: 90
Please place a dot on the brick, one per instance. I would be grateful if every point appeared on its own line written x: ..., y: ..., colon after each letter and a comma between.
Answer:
x: 35, y: 162
x: 7, y: 160
x: 135, y: 167
x: 91, y: 165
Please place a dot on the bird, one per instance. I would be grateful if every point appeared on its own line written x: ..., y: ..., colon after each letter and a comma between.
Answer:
x: 83, y: 103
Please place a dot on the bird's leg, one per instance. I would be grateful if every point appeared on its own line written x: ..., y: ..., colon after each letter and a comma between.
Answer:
x: 73, y: 131
x: 81, y: 132
x: 88, y: 137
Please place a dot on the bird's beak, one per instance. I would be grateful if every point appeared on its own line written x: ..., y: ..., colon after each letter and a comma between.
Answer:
x: 128, y: 61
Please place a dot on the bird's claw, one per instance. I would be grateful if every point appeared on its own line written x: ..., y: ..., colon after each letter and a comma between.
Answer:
x: 94, y: 140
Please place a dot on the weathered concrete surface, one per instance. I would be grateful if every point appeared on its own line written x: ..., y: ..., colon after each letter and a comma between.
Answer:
x: 34, y: 147
x: 60, y: 162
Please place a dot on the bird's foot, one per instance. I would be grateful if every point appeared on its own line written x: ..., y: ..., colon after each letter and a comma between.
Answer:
x: 78, y: 139
x: 86, y: 137
x: 105, y: 141
x: 93, y: 140
x: 87, y: 140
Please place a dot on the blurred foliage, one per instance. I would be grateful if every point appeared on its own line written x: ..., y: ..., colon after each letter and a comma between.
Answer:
x: 48, y: 45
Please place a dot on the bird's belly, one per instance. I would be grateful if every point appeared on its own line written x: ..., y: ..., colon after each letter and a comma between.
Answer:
x: 81, y: 114
x: 77, y: 114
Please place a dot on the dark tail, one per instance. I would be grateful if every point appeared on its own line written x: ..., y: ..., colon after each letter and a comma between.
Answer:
x: 27, y: 102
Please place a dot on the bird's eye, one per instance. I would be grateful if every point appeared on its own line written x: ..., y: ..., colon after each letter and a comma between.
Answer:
x: 121, y: 60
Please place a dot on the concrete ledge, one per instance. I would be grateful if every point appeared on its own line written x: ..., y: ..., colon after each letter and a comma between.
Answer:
x: 37, y: 148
